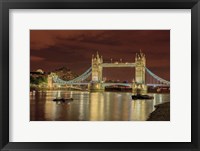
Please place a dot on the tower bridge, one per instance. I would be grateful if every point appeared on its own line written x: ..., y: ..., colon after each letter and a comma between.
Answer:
x: 143, y: 76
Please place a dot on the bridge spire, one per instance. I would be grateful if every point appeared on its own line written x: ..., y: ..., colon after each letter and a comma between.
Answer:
x: 97, y: 54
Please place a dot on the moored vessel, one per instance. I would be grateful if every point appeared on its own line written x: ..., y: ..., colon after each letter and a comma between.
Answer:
x: 142, y: 97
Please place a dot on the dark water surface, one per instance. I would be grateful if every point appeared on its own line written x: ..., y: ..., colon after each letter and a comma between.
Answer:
x: 104, y: 106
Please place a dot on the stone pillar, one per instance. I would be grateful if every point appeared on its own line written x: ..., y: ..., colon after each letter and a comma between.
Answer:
x: 139, y: 88
x: 95, y: 87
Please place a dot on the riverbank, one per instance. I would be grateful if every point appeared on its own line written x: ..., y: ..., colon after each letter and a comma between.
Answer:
x: 161, y: 113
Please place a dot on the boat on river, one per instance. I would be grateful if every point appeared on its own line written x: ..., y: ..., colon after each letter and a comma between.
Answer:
x: 142, y: 97
x: 63, y: 99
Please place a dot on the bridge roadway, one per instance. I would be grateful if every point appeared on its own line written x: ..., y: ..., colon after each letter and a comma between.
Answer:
x: 118, y: 65
x: 121, y: 84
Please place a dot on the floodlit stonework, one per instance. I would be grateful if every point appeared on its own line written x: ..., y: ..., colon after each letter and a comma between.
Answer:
x: 138, y: 86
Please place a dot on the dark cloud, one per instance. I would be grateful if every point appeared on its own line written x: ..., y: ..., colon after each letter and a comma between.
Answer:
x: 50, y: 49
x: 35, y: 58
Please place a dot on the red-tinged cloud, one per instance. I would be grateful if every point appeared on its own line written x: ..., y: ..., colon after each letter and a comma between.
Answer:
x: 36, y: 59
x: 74, y: 49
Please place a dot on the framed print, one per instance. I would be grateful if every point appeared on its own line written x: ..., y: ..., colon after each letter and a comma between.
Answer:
x: 99, y: 75
x: 72, y: 92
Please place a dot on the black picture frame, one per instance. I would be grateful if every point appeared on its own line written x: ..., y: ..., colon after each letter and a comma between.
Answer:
x: 5, y: 5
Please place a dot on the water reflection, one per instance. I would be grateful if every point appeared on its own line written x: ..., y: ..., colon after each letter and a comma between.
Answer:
x: 104, y: 106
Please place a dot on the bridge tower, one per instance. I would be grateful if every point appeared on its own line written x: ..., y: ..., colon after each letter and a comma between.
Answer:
x: 139, y: 86
x: 96, y: 83
x: 97, y: 68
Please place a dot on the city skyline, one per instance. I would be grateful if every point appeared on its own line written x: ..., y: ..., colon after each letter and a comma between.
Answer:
x: 51, y: 49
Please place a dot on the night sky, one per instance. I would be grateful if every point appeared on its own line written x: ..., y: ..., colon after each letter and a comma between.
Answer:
x: 51, y: 49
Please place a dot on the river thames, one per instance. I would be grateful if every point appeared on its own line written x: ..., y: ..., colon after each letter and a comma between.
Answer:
x: 97, y: 106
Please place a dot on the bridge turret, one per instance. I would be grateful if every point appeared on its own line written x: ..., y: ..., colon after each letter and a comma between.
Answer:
x: 101, y: 59
x: 97, y: 56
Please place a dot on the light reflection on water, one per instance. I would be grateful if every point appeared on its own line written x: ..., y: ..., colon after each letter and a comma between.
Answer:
x: 97, y: 106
